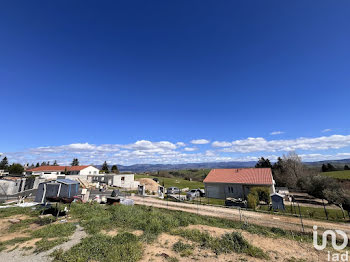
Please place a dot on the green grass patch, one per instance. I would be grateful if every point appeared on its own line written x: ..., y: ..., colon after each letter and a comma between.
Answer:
x: 153, y: 221
x: 310, y: 212
x: 123, y: 247
x: 13, y: 242
x: 184, y: 249
x: 343, y: 175
x: 55, y: 230
x: 45, y: 244
x: 228, y: 243
x: 12, y: 211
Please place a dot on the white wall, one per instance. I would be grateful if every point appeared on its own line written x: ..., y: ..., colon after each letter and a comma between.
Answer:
x: 90, y: 170
x: 125, y: 181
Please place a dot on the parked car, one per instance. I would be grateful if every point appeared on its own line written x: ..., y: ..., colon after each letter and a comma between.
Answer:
x: 193, y: 193
x: 173, y: 190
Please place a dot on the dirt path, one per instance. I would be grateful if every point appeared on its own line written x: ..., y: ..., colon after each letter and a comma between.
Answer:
x: 284, y: 222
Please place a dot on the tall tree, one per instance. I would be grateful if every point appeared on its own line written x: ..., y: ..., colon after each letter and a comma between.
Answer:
x: 4, y: 164
x: 115, y: 169
x: 75, y: 162
x: 44, y: 164
x: 263, y: 163
x: 105, y: 167
x: 37, y: 164
x: 330, y: 167
x: 16, y: 169
x: 55, y: 163
x: 346, y: 167
x: 324, y: 168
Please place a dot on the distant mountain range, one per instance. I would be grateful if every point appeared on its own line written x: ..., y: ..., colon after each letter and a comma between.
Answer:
x: 137, y: 168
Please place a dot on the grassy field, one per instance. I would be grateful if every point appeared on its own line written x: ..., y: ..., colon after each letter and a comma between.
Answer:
x: 344, y: 174
x: 311, y: 212
x: 151, y: 222
x: 176, y: 182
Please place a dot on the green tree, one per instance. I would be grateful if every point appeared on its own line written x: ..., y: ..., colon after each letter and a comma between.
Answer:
x: 4, y: 164
x: 105, y: 167
x: 263, y: 163
x: 37, y: 164
x: 324, y: 168
x: 330, y: 167
x: 55, y: 163
x: 346, y: 167
x: 115, y: 169
x: 44, y: 164
x: 75, y: 162
x: 16, y: 169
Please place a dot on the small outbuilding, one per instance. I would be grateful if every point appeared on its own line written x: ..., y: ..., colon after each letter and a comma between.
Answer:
x: 277, y: 201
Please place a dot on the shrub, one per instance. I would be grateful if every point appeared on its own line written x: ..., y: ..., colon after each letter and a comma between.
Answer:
x: 252, y: 201
x: 55, y: 230
x: 262, y: 193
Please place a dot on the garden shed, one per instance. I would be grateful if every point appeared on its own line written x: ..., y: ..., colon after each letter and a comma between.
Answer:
x: 277, y: 201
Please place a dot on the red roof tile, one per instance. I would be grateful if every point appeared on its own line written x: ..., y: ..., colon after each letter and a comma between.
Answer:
x: 56, y: 168
x: 250, y: 176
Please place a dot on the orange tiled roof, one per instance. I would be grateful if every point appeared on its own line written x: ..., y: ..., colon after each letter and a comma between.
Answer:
x: 56, y: 168
x: 250, y: 176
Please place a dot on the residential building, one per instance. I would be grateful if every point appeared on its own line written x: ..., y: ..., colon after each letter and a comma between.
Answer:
x: 236, y: 183
x: 52, y: 172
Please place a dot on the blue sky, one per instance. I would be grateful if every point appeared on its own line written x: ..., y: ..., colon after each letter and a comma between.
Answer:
x: 137, y: 81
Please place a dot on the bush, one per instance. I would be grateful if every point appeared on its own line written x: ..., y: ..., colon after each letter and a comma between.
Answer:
x: 263, y: 193
x: 252, y: 201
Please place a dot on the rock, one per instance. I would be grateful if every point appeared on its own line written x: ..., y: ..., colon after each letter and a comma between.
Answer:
x: 46, y: 216
x: 164, y: 255
x: 14, y: 221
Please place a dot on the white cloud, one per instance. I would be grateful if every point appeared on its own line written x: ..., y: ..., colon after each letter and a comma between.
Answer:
x: 190, y: 149
x: 200, y: 141
x: 276, y: 133
x: 257, y: 144
x: 221, y: 144
x: 326, y: 130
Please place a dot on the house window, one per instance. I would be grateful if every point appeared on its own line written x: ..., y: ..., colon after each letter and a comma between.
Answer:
x: 95, y: 172
x: 123, y: 179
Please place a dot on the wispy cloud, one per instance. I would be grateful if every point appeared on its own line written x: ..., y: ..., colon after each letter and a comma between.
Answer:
x: 326, y: 130
x: 260, y: 144
x: 276, y: 133
x: 200, y: 141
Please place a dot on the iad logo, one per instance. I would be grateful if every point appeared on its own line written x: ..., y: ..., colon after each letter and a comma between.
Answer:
x: 332, y: 234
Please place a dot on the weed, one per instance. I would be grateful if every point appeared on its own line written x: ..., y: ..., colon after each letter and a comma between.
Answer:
x: 184, y: 249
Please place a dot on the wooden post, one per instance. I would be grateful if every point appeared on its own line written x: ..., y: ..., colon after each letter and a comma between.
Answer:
x: 324, y: 207
x: 301, y: 218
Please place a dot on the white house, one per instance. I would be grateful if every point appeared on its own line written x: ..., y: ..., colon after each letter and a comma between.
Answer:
x: 51, y: 172
x: 236, y: 183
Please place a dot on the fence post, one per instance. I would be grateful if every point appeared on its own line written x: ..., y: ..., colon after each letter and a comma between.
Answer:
x: 324, y: 207
x: 301, y: 218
